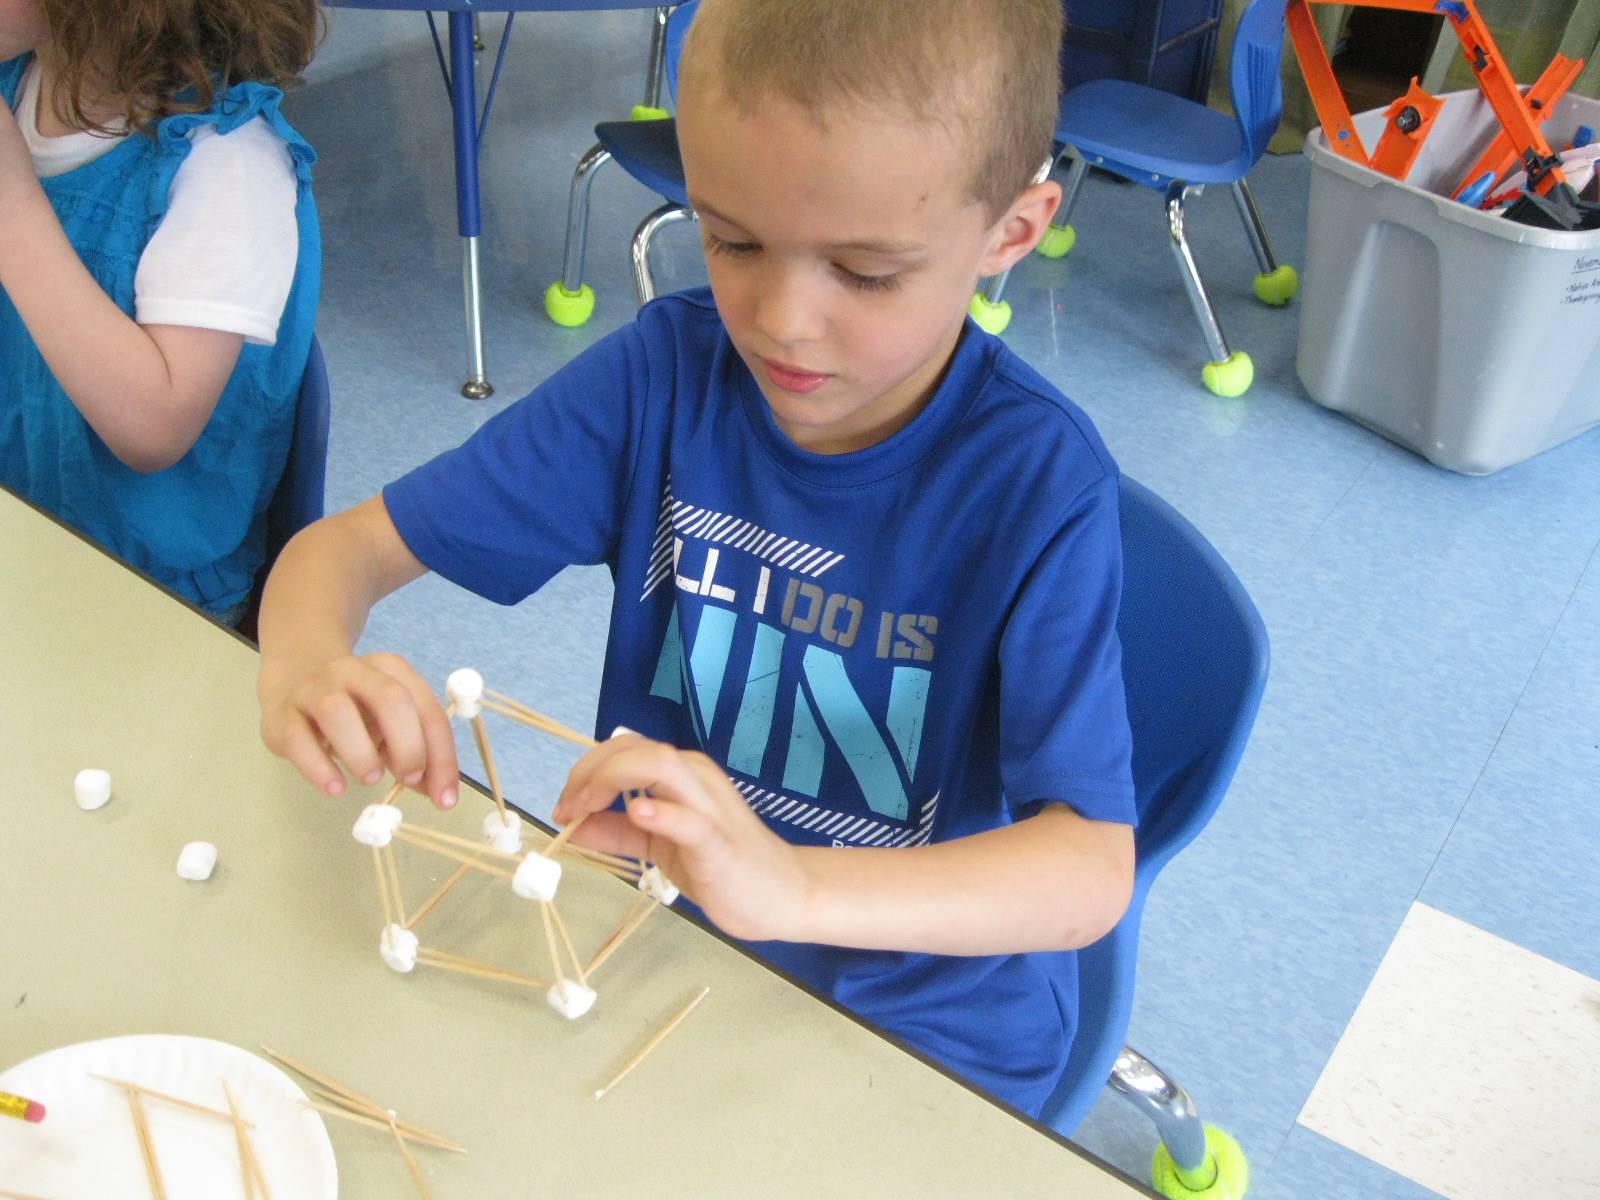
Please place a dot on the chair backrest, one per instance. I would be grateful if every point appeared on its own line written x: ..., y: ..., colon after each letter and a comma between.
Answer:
x: 1254, y: 74
x: 298, y: 500
x: 1194, y: 665
x: 677, y: 30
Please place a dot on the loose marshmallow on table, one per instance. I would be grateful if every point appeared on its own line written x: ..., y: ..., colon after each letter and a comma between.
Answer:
x: 570, y: 998
x: 398, y: 945
x: 464, y: 689
x: 503, y: 831
x: 537, y: 877
x: 197, y: 860
x: 376, y: 825
x: 92, y: 788
x: 657, y: 886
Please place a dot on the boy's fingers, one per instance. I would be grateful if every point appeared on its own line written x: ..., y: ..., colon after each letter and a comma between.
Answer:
x: 613, y: 833
x: 583, y: 770
x: 682, y: 826
x: 392, y: 707
x: 639, y: 766
x: 302, y: 748
x: 441, y: 773
x: 340, y: 723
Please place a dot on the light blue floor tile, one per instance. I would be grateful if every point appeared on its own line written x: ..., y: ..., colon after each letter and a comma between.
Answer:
x: 1431, y: 637
x: 1520, y: 861
x: 1310, y: 1166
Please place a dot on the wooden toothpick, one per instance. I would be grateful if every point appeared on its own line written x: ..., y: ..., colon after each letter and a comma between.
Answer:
x: 538, y: 720
x: 394, y: 884
x: 481, y: 734
x: 372, y: 1122
x: 352, y: 1098
x: 175, y: 1101
x: 467, y: 844
x: 467, y: 966
x: 152, y: 1168
x: 429, y: 904
x: 411, y: 1161
x: 383, y: 886
x: 652, y: 1043
x: 550, y: 940
x: 623, y: 933
x: 566, y: 941
x: 460, y: 856
x: 254, y: 1178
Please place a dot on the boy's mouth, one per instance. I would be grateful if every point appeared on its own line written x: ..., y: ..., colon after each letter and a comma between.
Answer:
x: 793, y: 379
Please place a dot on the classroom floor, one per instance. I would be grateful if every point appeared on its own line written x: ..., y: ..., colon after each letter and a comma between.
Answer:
x: 1377, y: 967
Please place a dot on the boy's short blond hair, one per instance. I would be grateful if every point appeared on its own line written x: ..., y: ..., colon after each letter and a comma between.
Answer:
x: 986, y: 70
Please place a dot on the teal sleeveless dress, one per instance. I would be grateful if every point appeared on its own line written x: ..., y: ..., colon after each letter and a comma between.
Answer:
x: 199, y: 526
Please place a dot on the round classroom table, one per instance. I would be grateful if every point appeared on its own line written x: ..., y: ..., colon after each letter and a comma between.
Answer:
x: 764, y: 1090
x: 461, y: 82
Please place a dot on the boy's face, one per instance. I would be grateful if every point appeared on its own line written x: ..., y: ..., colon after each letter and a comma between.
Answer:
x: 22, y: 27
x: 842, y: 258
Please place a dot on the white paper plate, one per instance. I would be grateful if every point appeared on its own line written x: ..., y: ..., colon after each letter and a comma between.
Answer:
x: 86, y: 1147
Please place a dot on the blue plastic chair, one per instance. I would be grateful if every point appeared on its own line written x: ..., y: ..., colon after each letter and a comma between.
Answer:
x: 646, y: 150
x: 298, y: 499
x: 1194, y: 665
x: 1176, y: 146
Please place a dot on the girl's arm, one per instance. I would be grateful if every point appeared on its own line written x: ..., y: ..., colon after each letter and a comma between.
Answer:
x: 148, y: 391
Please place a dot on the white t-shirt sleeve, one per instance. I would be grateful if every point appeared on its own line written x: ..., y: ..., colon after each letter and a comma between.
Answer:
x: 223, y: 256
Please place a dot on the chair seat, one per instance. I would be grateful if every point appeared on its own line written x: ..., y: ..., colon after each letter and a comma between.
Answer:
x: 647, y: 150
x: 1141, y: 131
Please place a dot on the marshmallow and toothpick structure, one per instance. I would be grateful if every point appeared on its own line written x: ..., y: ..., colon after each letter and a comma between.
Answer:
x: 534, y: 875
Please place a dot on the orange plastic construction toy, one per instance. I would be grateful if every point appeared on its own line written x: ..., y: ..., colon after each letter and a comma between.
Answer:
x: 1548, y: 201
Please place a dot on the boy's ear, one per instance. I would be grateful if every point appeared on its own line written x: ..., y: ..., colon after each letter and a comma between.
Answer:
x: 1016, y: 233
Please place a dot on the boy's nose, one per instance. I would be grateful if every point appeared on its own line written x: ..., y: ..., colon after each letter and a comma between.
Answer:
x: 788, y: 309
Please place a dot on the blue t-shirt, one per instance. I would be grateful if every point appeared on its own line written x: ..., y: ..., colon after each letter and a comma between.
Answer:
x: 908, y: 643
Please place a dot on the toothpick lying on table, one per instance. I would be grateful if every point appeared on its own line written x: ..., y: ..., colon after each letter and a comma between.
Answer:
x: 353, y: 1106
x: 653, y: 1043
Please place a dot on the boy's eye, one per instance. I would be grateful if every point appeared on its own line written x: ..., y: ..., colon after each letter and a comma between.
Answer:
x: 719, y: 245
x: 869, y: 283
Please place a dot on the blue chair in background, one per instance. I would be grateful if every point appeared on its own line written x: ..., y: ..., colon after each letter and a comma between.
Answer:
x: 1177, y: 146
x: 646, y: 149
x: 299, y: 497
x: 1194, y: 665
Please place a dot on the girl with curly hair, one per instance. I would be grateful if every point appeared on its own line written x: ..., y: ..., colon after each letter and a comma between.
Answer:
x: 159, y: 267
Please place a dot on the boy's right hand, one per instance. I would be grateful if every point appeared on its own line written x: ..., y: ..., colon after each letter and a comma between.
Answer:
x: 372, y: 713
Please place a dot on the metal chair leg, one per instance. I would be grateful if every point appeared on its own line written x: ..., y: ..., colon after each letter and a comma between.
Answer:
x: 1253, y: 228
x: 656, y: 69
x: 464, y: 105
x: 1216, y: 343
x: 1161, y: 1099
x: 573, y: 258
x: 644, y: 282
x: 1076, y: 174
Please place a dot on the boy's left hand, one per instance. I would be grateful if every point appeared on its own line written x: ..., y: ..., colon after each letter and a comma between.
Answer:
x: 695, y: 826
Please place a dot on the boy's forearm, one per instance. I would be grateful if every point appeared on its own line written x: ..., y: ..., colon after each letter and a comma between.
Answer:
x: 1053, y: 882
x: 110, y: 367
x: 326, y: 582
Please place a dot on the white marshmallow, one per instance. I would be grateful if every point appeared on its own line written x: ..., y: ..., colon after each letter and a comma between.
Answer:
x: 537, y: 877
x: 92, y: 788
x: 657, y: 886
x: 197, y: 860
x: 376, y: 825
x: 464, y: 689
x: 622, y: 731
x: 504, y: 834
x: 570, y: 998
x: 398, y: 945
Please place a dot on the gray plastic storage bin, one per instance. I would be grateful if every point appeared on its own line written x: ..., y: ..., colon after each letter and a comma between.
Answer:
x: 1472, y: 340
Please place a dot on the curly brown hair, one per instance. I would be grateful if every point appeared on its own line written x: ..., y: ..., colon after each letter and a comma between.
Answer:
x: 160, y: 57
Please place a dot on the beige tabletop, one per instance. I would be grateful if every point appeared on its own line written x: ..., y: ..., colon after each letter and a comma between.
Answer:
x: 764, y: 1090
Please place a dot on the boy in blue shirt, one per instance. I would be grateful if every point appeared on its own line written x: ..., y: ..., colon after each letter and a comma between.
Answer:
x: 867, y: 563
